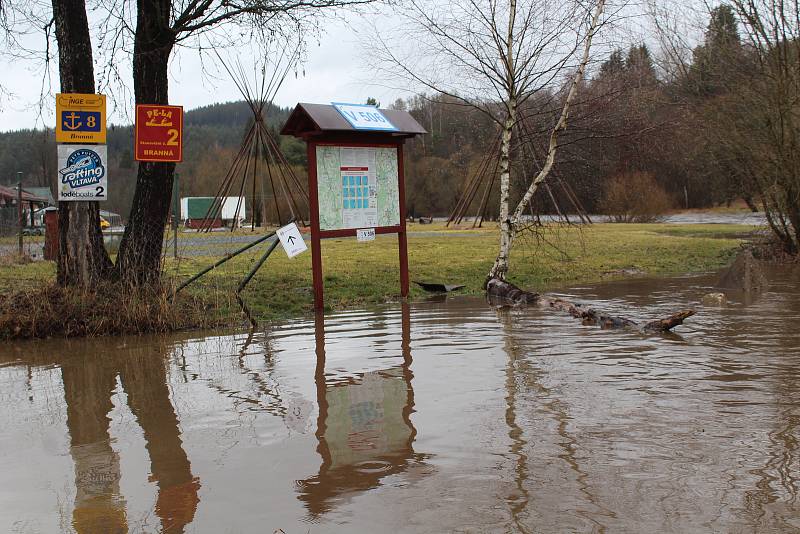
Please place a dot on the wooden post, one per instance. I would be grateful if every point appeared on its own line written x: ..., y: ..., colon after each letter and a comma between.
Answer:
x: 176, y: 188
x: 20, y: 218
x: 316, y: 250
x: 401, y: 235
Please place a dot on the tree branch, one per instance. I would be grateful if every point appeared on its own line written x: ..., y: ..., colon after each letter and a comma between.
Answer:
x: 562, y: 120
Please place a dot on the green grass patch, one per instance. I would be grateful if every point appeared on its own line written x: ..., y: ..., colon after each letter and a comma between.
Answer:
x: 359, y: 274
x: 707, y: 230
x: 26, y: 239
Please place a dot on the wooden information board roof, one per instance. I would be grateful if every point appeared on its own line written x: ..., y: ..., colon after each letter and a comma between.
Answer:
x: 308, y: 120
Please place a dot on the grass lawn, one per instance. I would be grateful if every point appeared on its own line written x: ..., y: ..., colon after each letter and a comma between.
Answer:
x: 358, y: 274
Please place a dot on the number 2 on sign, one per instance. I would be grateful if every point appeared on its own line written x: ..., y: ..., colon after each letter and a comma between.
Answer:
x: 173, y: 137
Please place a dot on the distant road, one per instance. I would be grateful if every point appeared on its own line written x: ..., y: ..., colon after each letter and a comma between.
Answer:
x: 223, y: 242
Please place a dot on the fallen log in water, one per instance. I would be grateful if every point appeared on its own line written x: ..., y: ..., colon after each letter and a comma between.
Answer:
x: 500, y: 290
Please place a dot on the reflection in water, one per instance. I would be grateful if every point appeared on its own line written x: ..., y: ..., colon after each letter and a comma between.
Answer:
x: 524, y: 382
x: 519, y: 501
x: 89, y: 383
x: 778, y: 479
x: 364, y: 427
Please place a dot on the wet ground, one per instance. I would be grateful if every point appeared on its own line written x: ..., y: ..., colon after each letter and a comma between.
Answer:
x: 445, y: 415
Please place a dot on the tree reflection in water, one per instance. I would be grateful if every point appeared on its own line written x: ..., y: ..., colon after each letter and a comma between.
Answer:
x: 364, y: 427
x: 89, y: 384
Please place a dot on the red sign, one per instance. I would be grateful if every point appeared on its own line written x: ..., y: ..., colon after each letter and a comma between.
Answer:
x: 159, y: 133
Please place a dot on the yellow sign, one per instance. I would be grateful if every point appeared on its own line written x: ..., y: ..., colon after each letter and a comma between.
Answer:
x: 80, y: 118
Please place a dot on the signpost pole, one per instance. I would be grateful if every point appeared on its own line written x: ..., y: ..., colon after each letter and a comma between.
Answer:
x: 20, y: 218
x: 175, y: 213
x: 316, y: 249
x: 401, y: 235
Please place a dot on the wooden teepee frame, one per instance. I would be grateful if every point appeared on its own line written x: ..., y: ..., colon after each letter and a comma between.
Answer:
x: 485, y: 176
x: 259, y: 166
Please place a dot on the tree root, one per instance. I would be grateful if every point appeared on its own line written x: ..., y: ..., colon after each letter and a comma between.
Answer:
x: 504, y: 292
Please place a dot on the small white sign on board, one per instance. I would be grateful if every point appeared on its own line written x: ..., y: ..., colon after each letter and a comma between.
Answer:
x: 82, y: 172
x: 291, y: 240
x: 365, y: 234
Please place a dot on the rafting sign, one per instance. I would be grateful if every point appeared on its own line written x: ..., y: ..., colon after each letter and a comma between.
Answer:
x: 80, y: 118
x: 82, y: 172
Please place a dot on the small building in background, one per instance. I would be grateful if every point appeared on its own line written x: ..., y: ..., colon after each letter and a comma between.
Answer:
x: 194, y: 211
x: 41, y: 192
x: 9, y: 214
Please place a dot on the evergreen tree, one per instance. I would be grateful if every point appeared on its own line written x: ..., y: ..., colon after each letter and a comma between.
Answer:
x: 639, y: 68
x: 715, y: 59
x: 613, y: 67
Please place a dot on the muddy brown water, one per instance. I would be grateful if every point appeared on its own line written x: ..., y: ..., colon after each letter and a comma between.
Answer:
x: 436, y: 416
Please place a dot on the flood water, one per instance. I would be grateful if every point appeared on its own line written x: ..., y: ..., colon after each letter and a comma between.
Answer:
x: 438, y: 416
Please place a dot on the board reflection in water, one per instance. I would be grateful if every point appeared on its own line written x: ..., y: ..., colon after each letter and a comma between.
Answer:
x: 90, y: 382
x: 364, y: 428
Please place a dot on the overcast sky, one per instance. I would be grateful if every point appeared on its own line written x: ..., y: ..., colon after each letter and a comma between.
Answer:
x: 335, y: 70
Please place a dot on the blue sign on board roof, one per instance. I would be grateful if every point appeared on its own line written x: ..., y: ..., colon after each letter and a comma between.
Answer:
x: 364, y: 117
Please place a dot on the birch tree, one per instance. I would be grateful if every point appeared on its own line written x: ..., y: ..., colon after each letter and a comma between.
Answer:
x: 510, y: 224
x: 495, y: 56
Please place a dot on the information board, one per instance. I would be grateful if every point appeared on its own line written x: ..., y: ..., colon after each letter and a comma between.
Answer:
x: 82, y: 173
x: 357, y: 187
x: 159, y: 133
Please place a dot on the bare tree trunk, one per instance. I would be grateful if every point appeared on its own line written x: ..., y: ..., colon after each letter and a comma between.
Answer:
x: 82, y: 258
x: 509, y: 224
x: 500, y: 267
x: 139, y: 259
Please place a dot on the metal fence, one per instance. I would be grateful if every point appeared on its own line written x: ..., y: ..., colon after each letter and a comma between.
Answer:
x: 19, y: 240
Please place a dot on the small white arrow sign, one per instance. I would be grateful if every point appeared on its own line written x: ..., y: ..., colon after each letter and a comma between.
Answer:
x: 291, y: 240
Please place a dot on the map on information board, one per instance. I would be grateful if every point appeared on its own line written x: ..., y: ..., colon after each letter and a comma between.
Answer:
x: 357, y: 187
